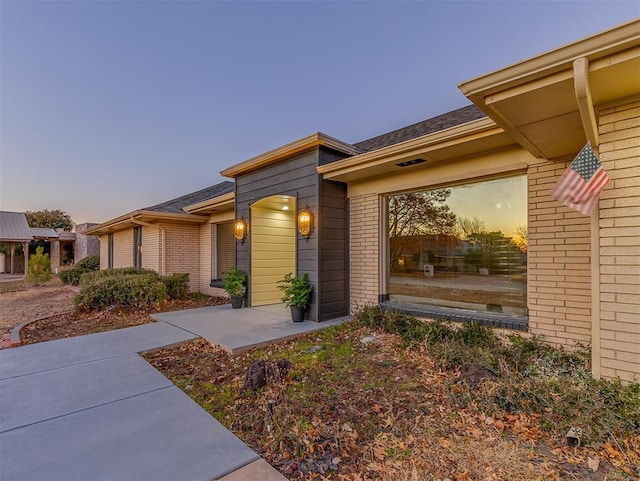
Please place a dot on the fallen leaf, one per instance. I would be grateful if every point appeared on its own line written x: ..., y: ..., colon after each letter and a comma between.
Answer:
x: 499, y: 425
x: 593, y: 463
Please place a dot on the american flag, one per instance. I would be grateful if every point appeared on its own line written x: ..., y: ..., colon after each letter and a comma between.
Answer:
x: 581, y: 184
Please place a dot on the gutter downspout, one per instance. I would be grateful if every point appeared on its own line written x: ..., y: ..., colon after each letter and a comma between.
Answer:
x: 590, y: 126
x: 163, y: 257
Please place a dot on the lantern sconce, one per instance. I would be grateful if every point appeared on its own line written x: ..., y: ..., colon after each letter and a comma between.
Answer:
x: 240, y: 229
x: 305, y: 222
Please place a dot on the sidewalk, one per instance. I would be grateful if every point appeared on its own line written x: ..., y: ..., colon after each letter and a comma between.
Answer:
x: 89, y: 408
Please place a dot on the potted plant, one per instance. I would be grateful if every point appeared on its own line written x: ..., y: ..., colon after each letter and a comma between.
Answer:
x: 296, y: 294
x: 235, y: 284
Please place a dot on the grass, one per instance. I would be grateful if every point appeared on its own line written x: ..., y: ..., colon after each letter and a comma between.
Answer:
x: 392, y: 408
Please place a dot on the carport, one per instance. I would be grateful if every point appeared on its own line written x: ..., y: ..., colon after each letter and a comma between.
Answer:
x: 15, y: 230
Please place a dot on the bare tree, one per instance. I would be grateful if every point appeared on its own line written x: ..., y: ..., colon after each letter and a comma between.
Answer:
x: 466, y: 227
x: 420, y: 213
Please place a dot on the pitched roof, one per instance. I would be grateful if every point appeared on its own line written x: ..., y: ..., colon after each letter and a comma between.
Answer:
x: 14, y: 227
x: 177, y: 205
x: 44, y: 232
x: 435, y: 124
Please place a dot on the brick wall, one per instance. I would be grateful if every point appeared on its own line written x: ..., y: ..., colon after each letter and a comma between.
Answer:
x: 205, y: 260
x: 559, y: 272
x: 182, y: 244
x: 620, y: 242
x: 151, y: 248
x: 364, y: 245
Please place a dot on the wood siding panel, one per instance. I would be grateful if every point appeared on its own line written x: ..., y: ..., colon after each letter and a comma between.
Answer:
x: 333, y: 258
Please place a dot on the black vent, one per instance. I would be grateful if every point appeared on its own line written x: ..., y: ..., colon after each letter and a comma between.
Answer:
x: 407, y: 163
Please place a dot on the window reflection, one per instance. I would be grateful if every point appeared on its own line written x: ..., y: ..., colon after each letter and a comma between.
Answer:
x: 460, y: 247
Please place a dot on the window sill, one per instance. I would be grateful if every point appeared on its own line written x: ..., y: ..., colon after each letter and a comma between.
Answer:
x: 491, y: 319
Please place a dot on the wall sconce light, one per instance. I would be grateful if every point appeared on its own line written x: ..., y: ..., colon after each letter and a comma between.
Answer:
x: 240, y: 229
x: 305, y: 222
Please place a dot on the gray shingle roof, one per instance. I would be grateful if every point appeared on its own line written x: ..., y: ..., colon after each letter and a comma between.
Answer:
x: 14, y: 227
x: 435, y: 124
x: 177, y: 205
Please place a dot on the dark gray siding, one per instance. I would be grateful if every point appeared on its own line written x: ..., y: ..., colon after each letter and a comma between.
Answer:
x: 325, y: 260
x: 333, y: 253
x: 296, y: 177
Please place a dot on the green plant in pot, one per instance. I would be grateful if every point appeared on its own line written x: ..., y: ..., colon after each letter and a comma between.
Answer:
x: 296, y: 294
x: 235, y: 284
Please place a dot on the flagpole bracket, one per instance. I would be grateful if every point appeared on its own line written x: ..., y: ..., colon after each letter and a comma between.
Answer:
x: 585, y: 102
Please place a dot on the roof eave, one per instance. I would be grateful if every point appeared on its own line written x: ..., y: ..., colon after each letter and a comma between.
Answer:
x: 535, y: 101
x: 358, y: 165
x: 619, y: 38
x: 127, y: 220
x: 280, y: 153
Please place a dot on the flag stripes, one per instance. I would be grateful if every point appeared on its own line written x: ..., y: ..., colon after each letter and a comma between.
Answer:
x: 581, y: 184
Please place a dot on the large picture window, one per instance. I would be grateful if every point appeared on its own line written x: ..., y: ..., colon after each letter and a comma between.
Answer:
x: 462, y: 247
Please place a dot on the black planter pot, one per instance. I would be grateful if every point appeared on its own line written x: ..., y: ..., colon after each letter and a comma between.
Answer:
x: 236, y: 302
x: 297, y: 313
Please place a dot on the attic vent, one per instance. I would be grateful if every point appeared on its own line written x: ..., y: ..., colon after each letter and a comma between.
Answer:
x: 407, y: 163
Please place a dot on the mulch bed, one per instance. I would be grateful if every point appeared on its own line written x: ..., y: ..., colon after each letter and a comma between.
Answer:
x: 78, y: 324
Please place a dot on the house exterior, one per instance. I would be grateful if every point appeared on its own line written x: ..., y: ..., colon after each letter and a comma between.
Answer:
x: 190, y: 234
x: 451, y: 217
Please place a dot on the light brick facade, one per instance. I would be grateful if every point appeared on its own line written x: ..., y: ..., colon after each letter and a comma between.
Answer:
x: 558, y: 271
x: 620, y: 242
x: 364, y: 250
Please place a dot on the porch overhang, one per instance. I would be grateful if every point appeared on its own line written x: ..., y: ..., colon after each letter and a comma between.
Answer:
x: 455, y: 143
x: 294, y: 148
x: 537, y: 103
x: 137, y: 217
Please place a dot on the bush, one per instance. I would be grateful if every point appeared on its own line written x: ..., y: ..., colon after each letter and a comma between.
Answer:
x: 92, y: 276
x: 39, y: 267
x: 88, y: 264
x: 177, y: 285
x: 128, y: 286
x: 140, y: 290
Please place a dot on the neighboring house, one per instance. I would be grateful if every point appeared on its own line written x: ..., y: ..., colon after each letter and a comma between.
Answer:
x: 15, y: 231
x: 190, y: 234
x: 450, y: 217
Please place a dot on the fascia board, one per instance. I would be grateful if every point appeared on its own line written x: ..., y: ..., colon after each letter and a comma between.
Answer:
x: 280, y: 153
x: 606, y: 43
x: 124, y: 221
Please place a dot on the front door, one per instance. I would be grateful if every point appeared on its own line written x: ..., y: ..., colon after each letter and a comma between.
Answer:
x: 273, y: 247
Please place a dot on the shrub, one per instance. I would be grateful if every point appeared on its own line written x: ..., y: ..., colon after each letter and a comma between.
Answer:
x: 92, y: 276
x: 88, y: 264
x: 128, y: 286
x: 177, y: 285
x: 39, y: 267
x: 141, y: 290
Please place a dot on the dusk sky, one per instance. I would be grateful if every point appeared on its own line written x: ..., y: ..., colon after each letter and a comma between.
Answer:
x: 111, y: 106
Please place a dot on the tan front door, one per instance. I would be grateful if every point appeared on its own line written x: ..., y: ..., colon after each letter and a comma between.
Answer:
x: 273, y: 247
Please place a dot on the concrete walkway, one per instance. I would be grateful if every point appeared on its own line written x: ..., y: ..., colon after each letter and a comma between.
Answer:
x: 238, y: 330
x: 89, y: 408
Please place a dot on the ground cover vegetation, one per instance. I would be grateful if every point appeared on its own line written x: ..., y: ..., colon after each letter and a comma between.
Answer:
x: 390, y: 397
